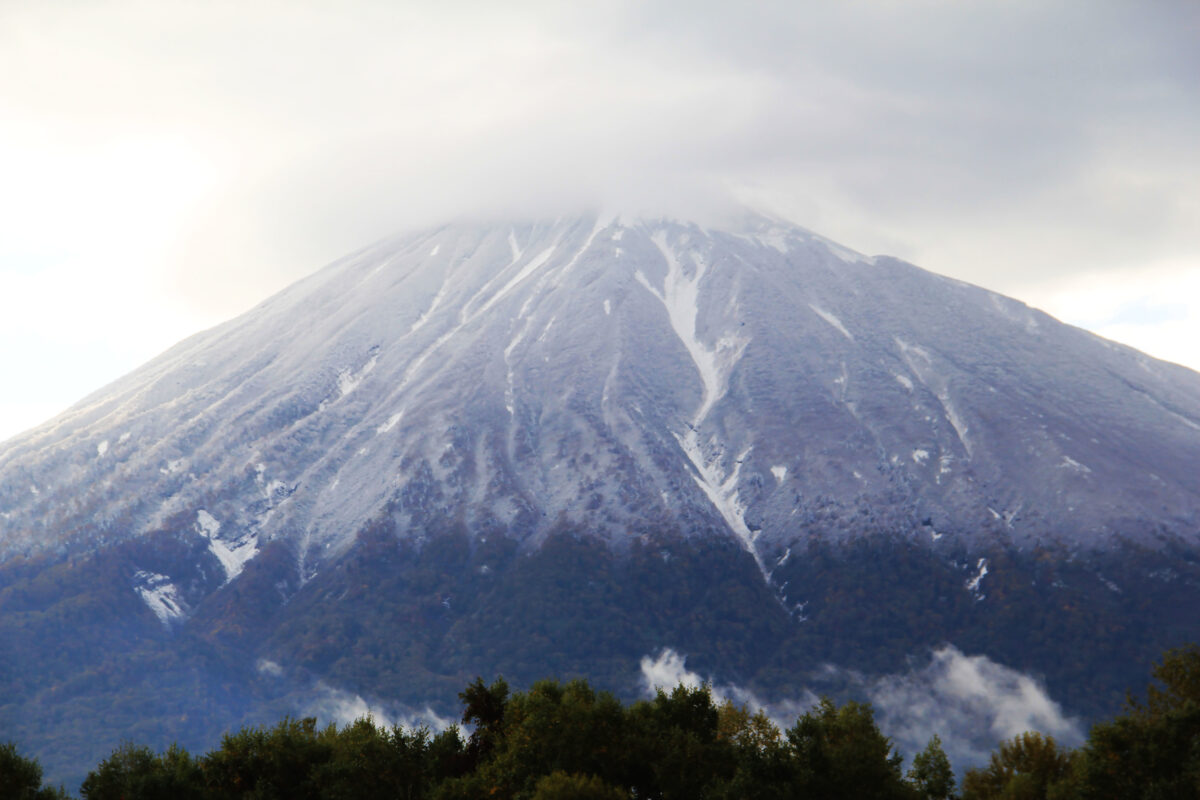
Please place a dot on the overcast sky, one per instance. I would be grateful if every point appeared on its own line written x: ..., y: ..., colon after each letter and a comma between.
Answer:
x: 164, y: 165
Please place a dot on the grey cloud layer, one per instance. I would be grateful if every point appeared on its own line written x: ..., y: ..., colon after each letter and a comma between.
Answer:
x: 996, y: 141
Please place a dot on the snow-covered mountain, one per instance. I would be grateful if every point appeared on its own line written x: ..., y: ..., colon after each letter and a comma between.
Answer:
x: 620, y: 377
x: 752, y: 390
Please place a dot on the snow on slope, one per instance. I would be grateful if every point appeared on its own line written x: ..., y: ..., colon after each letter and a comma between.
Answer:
x: 624, y: 378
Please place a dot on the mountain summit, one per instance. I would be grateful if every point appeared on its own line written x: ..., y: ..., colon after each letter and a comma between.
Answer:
x: 507, y: 406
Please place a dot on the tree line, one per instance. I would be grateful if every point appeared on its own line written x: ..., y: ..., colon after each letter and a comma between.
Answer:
x: 566, y: 741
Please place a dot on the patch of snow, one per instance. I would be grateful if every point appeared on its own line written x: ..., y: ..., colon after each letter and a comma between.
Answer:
x: 437, y: 301
x: 722, y: 491
x: 974, y: 582
x: 937, y: 385
x: 232, y: 555
x: 680, y: 298
x: 1190, y: 423
x: 160, y: 595
x: 934, y: 535
x: 779, y: 472
x: 124, y: 437
x: 774, y: 238
x: 391, y: 422
x: 173, y: 466
x: 920, y: 456
x: 905, y: 381
x: 545, y: 331
x: 1072, y: 464
x: 512, y: 244
x: 956, y: 420
x: 348, y: 380
x: 102, y: 448
x: 435, y: 249
x: 207, y: 525
x: 570, y: 265
x: 832, y: 320
x: 607, y: 308
x: 527, y: 270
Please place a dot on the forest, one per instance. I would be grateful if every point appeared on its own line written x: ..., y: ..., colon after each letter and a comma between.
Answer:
x: 566, y: 741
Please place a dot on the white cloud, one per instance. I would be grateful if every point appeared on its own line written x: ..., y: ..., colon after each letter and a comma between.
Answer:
x: 330, y: 704
x: 668, y: 670
x: 971, y: 702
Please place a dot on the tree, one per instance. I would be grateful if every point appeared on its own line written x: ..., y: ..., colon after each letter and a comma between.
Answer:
x: 279, y: 763
x: 575, y: 786
x: 931, y: 772
x: 484, y: 706
x: 840, y: 752
x: 1025, y: 767
x: 674, y: 738
x: 135, y: 771
x: 21, y: 778
x: 764, y: 766
x: 1152, y: 751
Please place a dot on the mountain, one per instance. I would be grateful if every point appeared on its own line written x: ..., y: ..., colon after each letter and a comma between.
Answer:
x: 556, y: 447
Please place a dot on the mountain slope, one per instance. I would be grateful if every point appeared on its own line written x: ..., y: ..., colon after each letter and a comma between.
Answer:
x: 750, y: 378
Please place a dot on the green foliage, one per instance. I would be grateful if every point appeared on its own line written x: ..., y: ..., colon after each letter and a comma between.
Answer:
x: 931, y: 772
x: 1152, y: 751
x: 574, y: 786
x: 677, y: 735
x: 484, y: 707
x: 271, y: 764
x: 21, y: 778
x: 137, y: 772
x: 842, y: 753
x: 765, y: 768
x: 1027, y: 767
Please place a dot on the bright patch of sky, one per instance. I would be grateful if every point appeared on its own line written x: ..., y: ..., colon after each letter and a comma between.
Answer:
x: 168, y: 165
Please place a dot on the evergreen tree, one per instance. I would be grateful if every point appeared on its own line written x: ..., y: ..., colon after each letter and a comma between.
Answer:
x: 21, y: 778
x: 931, y: 772
x: 1152, y: 751
x: 841, y: 753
